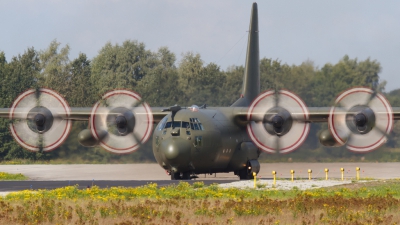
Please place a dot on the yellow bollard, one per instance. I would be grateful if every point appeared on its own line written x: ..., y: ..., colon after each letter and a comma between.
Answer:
x: 342, y: 170
x: 326, y: 173
x: 292, y: 172
x: 255, y: 178
x: 309, y: 174
x: 358, y: 172
x: 274, y: 173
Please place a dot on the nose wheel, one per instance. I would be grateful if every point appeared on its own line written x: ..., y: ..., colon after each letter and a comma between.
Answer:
x: 180, y: 176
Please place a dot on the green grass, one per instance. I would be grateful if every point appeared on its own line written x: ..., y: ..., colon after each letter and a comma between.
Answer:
x: 198, y: 190
x: 9, y: 176
x: 372, y: 202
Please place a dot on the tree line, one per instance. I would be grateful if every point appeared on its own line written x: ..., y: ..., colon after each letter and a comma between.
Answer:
x: 163, y: 81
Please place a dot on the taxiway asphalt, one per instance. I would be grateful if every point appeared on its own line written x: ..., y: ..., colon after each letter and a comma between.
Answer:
x: 132, y: 175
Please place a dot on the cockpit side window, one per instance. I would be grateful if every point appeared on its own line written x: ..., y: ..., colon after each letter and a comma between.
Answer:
x: 162, y: 123
x: 201, y: 126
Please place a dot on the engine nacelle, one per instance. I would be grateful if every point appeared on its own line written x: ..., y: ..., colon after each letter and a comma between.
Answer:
x: 86, y: 138
x: 278, y: 121
x: 326, y: 139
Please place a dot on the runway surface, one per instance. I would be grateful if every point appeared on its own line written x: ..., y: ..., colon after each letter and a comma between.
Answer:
x: 131, y: 175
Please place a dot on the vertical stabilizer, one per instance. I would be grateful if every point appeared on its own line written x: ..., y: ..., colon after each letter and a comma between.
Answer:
x: 251, y: 79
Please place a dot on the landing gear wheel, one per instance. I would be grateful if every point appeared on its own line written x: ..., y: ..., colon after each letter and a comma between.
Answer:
x: 180, y: 176
x: 175, y: 176
x: 252, y: 166
x: 245, y: 175
x: 186, y: 176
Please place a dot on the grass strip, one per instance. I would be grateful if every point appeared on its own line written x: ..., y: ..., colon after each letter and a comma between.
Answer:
x: 376, y: 202
x: 9, y: 176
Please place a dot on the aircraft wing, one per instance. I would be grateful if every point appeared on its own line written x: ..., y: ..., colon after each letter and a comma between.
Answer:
x: 79, y: 113
x: 85, y: 113
x: 4, y: 112
x: 361, y: 119
x: 315, y: 114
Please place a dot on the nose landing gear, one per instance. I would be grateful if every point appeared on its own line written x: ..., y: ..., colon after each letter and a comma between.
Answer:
x: 180, y: 175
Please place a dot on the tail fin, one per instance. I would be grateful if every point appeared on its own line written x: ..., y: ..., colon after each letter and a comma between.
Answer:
x: 251, y: 78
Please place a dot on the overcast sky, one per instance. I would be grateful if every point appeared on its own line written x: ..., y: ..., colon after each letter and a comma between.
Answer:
x: 291, y: 31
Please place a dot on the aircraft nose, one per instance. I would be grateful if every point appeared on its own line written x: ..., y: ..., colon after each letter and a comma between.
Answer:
x: 176, y: 149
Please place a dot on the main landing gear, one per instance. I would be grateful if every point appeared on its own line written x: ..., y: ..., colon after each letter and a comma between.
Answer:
x: 252, y: 166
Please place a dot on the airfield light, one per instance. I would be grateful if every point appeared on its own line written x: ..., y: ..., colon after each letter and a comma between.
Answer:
x: 255, y: 178
x: 358, y: 172
x: 342, y: 170
x: 326, y: 173
x: 274, y: 174
x: 309, y: 174
x: 292, y: 172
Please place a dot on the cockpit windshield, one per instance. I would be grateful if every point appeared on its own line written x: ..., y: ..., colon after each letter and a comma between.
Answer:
x: 194, y: 124
x: 185, y: 125
x: 175, y: 124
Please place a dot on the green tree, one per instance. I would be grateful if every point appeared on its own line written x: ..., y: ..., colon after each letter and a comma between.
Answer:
x: 232, y: 88
x: 201, y: 84
x: 55, y: 66
x: 122, y: 66
x: 159, y: 86
x: 80, y: 93
x: 21, y: 74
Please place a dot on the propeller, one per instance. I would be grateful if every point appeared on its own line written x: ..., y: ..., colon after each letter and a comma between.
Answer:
x: 361, y: 118
x: 278, y: 121
x: 121, y: 121
x: 38, y: 120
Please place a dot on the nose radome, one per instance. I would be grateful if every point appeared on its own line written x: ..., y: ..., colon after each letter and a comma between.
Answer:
x: 175, y: 148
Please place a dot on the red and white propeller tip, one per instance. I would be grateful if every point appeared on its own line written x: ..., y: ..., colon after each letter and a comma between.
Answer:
x: 361, y: 119
x: 121, y: 122
x: 278, y: 121
x: 38, y: 120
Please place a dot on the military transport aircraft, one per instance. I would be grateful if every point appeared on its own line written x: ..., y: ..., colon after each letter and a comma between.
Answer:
x: 199, y: 140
